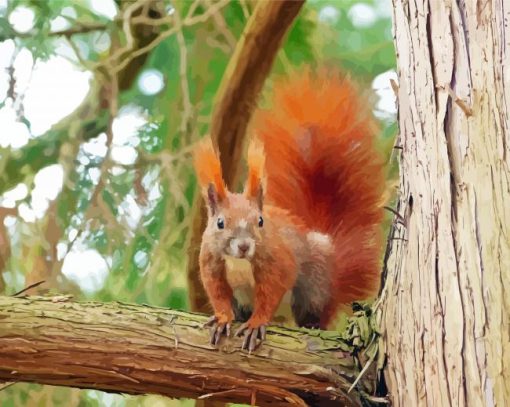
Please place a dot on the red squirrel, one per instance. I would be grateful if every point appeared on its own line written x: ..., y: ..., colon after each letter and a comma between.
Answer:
x: 308, y: 223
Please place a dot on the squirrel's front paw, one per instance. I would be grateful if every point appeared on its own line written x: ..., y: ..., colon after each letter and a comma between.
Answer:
x: 251, y: 334
x: 218, y: 327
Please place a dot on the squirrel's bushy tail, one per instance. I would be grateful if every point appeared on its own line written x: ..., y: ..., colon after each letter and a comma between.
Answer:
x: 322, y: 165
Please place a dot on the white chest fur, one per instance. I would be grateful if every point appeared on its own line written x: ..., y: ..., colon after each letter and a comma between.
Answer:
x: 240, y: 278
x: 239, y: 275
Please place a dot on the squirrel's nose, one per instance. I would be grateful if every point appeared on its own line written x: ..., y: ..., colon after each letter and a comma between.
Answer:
x: 243, y: 247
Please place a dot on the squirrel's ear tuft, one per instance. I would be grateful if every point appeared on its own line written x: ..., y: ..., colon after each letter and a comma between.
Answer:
x: 256, y: 160
x: 208, y: 168
x: 212, y: 198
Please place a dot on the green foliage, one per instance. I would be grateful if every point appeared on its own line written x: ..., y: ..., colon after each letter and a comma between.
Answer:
x: 146, y: 254
x: 363, y: 51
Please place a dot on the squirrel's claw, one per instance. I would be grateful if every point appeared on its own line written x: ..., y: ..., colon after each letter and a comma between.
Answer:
x: 210, y: 322
x: 251, y: 335
x: 217, y: 330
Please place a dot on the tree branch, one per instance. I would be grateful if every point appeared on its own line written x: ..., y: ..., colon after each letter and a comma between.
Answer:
x: 139, y: 349
x: 80, y: 28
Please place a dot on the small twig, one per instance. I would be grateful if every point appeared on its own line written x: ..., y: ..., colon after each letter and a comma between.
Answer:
x: 18, y: 95
x: 394, y: 86
x: 11, y: 91
x: 126, y: 22
x: 220, y: 393
x: 394, y: 212
x: 221, y: 26
x: 176, y: 338
x: 201, y: 18
x: 7, y: 384
x: 214, y: 43
x: 192, y: 9
x: 183, y: 72
x: 379, y: 400
x: 164, y: 35
x: 363, y: 371
x: 126, y: 27
x: 85, y: 64
x: 244, y: 7
x: 61, y: 298
x: 28, y: 288
x: 401, y: 222
x: 81, y: 28
x: 151, y: 21
x: 458, y: 101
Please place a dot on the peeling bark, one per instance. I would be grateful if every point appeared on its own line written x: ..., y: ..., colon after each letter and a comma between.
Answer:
x: 139, y: 349
x: 446, y: 303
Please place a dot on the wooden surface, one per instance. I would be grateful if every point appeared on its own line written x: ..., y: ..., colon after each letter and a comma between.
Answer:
x: 140, y: 349
x: 446, y: 305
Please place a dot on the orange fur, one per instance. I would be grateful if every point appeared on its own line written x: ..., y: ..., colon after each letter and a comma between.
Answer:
x: 322, y: 166
x: 256, y: 162
x: 217, y: 288
x: 208, y: 167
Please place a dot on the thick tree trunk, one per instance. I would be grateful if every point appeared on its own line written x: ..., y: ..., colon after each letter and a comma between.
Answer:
x: 235, y: 102
x: 446, y: 301
x: 139, y: 349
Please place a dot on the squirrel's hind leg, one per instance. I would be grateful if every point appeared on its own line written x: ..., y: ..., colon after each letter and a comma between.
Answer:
x: 311, y: 292
x: 305, y: 314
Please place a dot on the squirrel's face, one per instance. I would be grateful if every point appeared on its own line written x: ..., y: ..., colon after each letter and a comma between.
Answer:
x: 235, y: 225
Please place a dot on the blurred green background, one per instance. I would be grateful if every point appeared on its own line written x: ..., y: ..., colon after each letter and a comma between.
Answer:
x: 102, y: 209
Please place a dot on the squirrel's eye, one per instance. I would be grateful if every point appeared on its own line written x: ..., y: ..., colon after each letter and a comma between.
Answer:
x: 220, y: 223
x: 261, y: 222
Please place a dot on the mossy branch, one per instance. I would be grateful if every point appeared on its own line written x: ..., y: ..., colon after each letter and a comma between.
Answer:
x: 140, y: 349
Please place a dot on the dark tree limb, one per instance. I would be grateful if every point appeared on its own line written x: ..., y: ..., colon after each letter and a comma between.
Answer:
x: 235, y: 102
x: 139, y: 349
x: 68, y: 32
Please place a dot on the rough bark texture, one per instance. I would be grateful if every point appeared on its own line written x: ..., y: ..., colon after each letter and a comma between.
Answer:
x: 446, y: 302
x: 235, y: 102
x: 139, y: 349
